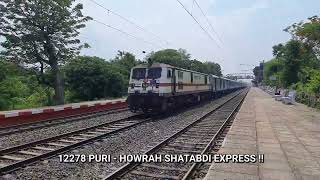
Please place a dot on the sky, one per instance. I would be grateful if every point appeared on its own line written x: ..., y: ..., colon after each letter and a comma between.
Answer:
x: 245, y: 30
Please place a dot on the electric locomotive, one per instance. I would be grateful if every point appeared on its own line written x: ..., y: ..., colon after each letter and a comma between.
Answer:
x: 161, y: 86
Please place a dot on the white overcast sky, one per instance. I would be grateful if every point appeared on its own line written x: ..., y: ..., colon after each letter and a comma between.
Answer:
x: 248, y: 28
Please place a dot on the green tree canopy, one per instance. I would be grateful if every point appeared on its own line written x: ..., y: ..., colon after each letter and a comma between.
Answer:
x: 212, y: 68
x: 170, y: 56
x: 272, y: 68
x: 290, y: 58
x: 296, y: 62
x: 313, y: 85
x: 180, y: 58
x: 307, y: 32
x: 19, y: 88
x: 125, y: 61
x: 42, y: 34
x: 92, y: 78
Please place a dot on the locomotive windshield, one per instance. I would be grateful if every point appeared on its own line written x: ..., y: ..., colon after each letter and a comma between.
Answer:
x: 138, y: 73
x: 154, y: 73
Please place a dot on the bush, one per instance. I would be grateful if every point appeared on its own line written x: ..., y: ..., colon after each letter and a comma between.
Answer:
x: 91, y: 78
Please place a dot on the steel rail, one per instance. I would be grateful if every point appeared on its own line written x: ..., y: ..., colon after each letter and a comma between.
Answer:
x: 17, y: 149
x: 123, y: 170
x: 213, y: 141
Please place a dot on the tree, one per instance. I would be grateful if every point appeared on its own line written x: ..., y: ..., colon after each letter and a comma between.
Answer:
x: 277, y: 50
x: 12, y: 90
x: 296, y: 62
x: 3, y: 70
x: 307, y: 32
x: 272, y: 68
x: 92, y: 78
x: 19, y: 88
x: 290, y: 55
x: 42, y: 34
x: 171, y: 57
x: 180, y: 58
x: 291, y: 62
x: 256, y: 71
x: 212, y: 68
x: 184, y: 54
x: 314, y: 83
x: 126, y: 61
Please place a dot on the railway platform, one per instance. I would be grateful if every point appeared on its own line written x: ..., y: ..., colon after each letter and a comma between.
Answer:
x: 88, y: 103
x: 18, y: 117
x: 287, y: 135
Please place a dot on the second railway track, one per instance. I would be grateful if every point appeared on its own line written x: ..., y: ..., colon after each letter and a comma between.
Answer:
x: 18, y: 156
x: 202, y: 136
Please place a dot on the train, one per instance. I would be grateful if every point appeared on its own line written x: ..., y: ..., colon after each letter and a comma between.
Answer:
x: 159, y: 87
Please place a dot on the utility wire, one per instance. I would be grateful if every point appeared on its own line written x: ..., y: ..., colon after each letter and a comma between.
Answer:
x: 208, y: 20
x: 129, y: 21
x: 198, y: 23
x: 126, y: 33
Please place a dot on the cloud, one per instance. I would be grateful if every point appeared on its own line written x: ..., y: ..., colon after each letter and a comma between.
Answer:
x: 248, y: 28
x: 168, y: 20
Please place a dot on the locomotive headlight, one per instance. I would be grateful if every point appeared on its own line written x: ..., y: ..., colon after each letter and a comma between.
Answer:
x: 132, y: 85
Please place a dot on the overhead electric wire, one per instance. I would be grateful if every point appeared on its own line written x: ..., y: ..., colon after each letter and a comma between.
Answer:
x: 129, y: 21
x: 215, y: 32
x: 126, y: 33
x: 198, y: 23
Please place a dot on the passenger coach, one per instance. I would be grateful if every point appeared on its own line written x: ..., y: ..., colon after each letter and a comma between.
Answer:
x: 161, y: 86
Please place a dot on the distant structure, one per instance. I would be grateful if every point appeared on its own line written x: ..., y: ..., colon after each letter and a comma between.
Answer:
x: 258, y: 74
x: 237, y: 76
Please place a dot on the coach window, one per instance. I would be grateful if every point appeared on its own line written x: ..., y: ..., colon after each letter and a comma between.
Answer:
x: 169, y: 73
x: 191, y: 75
x: 205, y: 79
x: 180, y: 75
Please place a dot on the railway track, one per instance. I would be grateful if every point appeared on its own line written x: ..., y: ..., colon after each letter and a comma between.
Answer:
x: 203, y: 136
x: 52, y: 122
x: 19, y: 156
x: 201, y: 169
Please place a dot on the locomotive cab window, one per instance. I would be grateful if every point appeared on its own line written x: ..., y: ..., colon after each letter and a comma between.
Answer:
x: 138, y: 73
x: 154, y: 73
